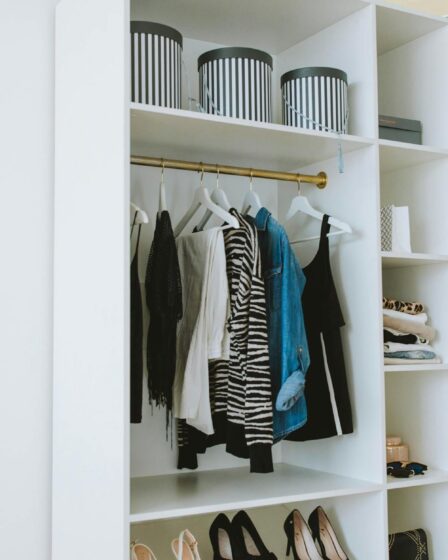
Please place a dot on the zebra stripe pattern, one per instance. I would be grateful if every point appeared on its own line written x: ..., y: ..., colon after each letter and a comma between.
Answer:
x: 239, y: 87
x: 249, y: 392
x: 156, y: 60
x: 315, y: 102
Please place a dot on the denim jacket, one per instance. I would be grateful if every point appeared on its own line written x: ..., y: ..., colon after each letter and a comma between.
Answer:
x: 288, y: 348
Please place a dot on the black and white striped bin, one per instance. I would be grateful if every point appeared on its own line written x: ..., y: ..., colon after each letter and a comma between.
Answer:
x: 315, y: 98
x: 156, y: 60
x: 236, y: 82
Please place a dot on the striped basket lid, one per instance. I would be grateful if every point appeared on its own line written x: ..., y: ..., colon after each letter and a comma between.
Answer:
x: 152, y: 28
x: 235, y: 52
x: 314, y: 71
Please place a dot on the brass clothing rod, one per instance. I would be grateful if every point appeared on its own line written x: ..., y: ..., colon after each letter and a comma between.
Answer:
x: 320, y: 180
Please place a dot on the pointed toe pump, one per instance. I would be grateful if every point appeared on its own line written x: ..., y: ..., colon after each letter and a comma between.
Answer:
x: 300, y: 539
x: 221, y: 538
x: 185, y: 547
x: 142, y: 552
x: 325, y: 535
x: 248, y: 543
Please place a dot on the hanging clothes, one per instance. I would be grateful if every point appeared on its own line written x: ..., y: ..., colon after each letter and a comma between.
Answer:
x: 288, y: 347
x: 136, y: 343
x: 164, y: 300
x: 249, y: 391
x: 326, y: 390
x: 240, y: 388
x: 202, y: 333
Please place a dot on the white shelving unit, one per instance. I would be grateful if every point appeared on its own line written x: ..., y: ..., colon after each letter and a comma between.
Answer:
x: 400, y: 260
x: 433, y: 476
x: 229, y: 138
x: 112, y: 483
x: 397, y: 155
x: 415, y: 368
x: 169, y: 496
x: 412, y: 176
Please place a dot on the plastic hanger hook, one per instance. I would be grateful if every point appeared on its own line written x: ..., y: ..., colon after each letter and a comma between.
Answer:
x: 202, y: 174
x: 251, y: 201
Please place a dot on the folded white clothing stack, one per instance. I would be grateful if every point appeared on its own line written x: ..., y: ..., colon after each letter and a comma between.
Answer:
x: 407, y: 337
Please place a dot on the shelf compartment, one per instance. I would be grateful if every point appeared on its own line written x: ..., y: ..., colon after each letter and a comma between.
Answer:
x: 421, y: 506
x: 416, y: 411
x: 415, y: 368
x: 432, y: 476
x: 398, y: 155
x: 402, y: 260
x: 398, y: 26
x: 261, y: 24
x: 349, y: 515
x: 159, y: 131
x: 184, y: 494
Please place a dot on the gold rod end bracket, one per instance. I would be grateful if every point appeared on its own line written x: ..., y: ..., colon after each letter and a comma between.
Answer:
x: 323, y: 182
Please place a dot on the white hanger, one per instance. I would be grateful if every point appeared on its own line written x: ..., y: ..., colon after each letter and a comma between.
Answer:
x: 202, y: 198
x: 252, y: 202
x: 142, y: 216
x: 162, y: 195
x: 220, y: 198
x: 300, y: 203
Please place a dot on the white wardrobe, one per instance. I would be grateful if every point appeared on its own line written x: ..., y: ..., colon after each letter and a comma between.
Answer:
x: 112, y: 482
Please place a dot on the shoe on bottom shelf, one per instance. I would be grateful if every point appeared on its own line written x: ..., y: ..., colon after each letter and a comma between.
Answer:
x: 325, y: 535
x: 141, y: 552
x: 185, y: 547
x: 237, y: 539
x: 248, y: 541
x: 221, y: 538
x: 300, y: 539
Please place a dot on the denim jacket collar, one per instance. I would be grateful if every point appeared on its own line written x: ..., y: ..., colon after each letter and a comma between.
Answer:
x: 261, y: 219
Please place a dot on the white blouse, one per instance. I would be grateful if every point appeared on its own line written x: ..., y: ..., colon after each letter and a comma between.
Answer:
x: 202, y: 332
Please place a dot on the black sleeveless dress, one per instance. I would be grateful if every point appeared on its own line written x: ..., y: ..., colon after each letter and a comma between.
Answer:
x: 326, y: 390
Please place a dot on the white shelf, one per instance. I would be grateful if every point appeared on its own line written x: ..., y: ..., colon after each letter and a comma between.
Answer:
x: 432, y: 476
x: 397, y: 26
x: 401, y: 260
x: 415, y: 368
x: 397, y: 155
x: 194, y: 493
x: 261, y: 24
x: 186, y: 134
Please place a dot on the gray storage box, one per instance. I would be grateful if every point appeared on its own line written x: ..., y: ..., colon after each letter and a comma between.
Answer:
x: 400, y: 130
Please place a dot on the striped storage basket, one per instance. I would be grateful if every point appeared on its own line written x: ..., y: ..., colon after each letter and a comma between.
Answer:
x: 156, y: 59
x: 315, y: 98
x: 236, y: 82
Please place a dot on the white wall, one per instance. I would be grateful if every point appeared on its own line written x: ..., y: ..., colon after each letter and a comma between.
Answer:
x: 26, y: 227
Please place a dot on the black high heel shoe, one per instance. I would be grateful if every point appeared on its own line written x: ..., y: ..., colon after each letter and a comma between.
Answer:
x: 300, y: 539
x: 248, y: 543
x: 222, y: 539
x: 324, y: 534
